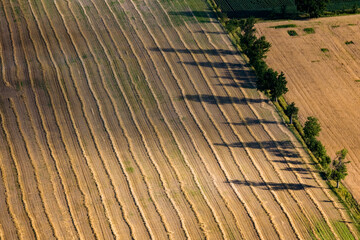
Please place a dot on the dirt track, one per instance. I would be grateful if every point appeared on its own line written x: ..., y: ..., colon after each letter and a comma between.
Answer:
x: 324, y: 84
x: 138, y: 119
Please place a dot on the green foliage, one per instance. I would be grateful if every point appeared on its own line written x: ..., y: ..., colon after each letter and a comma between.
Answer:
x: 339, y: 169
x: 292, y: 33
x: 349, y: 42
x: 257, y: 51
x: 312, y: 7
x: 278, y: 87
x: 284, y: 26
x: 324, y: 50
x: 309, y: 30
x: 291, y: 111
x: 232, y: 25
x: 264, y: 82
x: 312, y: 128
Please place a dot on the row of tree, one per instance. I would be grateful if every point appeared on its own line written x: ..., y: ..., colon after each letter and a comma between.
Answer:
x: 274, y: 84
x: 255, y: 48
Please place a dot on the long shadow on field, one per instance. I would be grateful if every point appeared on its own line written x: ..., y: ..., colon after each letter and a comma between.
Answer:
x: 221, y: 99
x: 251, y: 121
x: 215, y: 52
x: 215, y: 65
x: 272, y: 185
x: 277, y: 148
x: 201, y: 16
x: 209, y: 32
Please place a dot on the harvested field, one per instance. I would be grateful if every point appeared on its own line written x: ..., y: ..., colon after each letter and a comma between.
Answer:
x: 324, y: 84
x: 138, y: 119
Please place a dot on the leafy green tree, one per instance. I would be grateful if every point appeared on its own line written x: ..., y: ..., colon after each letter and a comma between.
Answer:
x: 313, y: 7
x: 258, y: 49
x: 312, y: 128
x: 317, y: 148
x: 339, y: 169
x: 278, y: 87
x: 264, y: 82
x: 247, y: 36
x: 291, y: 111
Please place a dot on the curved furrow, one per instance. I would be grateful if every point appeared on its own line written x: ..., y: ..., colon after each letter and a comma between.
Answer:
x: 41, y: 50
x: 51, y: 197
x: 44, y: 224
x: 151, y: 208
x: 42, y: 176
x: 279, y: 138
x: 159, y: 158
x: 26, y: 175
x: 169, y: 215
x: 19, y: 53
x: 241, y: 173
x: 247, y: 149
x: 297, y: 176
x: 9, y: 67
x: 7, y: 221
x: 323, y: 199
x: 189, y: 189
x: 167, y: 71
x: 66, y: 226
x: 220, y: 154
x: 125, y: 193
x: 15, y: 194
x: 270, y: 207
x: 312, y: 198
x: 278, y: 210
x: 280, y: 175
x: 100, y: 218
x: 157, y: 35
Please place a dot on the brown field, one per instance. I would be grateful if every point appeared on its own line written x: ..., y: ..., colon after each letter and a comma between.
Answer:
x: 324, y: 84
x: 138, y: 119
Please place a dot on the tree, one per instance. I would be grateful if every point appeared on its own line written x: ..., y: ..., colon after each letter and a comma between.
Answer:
x: 313, y: 7
x: 312, y: 128
x: 265, y: 81
x: 247, y: 36
x: 291, y: 111
x: 257, y: 50
x: 278, y: 87
x: 339, y: 169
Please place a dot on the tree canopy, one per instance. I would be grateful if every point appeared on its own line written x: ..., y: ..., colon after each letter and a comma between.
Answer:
x: 291, y: 111
x: 312, y: 128
x: 339, y: 169
x: 313, y: 7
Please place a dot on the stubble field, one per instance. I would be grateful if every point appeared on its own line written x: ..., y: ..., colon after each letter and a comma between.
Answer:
x: 324, y: 83
x: 138, y: 119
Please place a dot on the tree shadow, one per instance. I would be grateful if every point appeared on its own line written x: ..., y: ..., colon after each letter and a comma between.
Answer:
x: 215, y: 64
x: 201, y: 16
x: 211, y: 99
x: 209, y: 32
x: 251, y: 121
x: 277, y: 148
x: 215, y: 52
x: 272, y: 185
